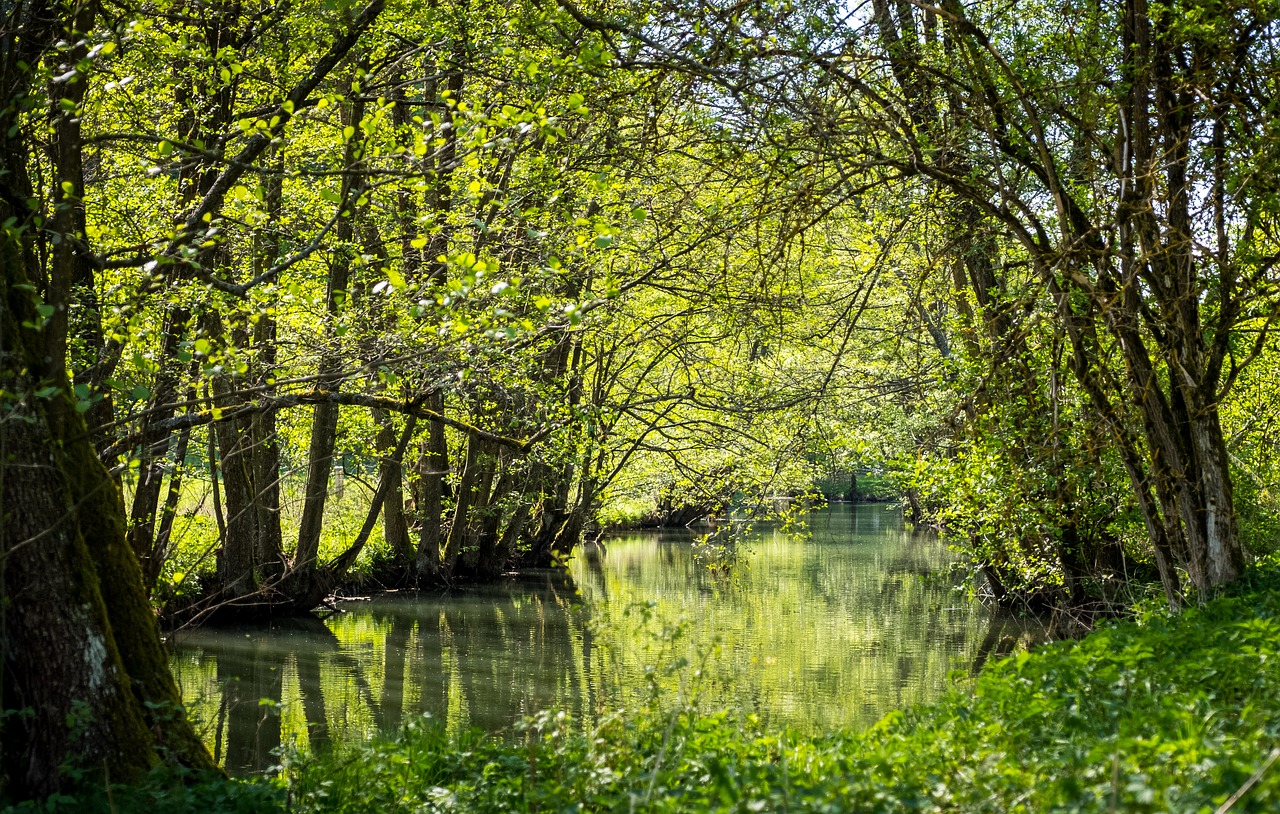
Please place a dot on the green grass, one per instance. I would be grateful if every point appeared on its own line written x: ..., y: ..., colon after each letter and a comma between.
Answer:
x: 1158, y: 713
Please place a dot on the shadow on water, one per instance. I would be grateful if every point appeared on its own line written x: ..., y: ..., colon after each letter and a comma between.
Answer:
x: 830, y: 630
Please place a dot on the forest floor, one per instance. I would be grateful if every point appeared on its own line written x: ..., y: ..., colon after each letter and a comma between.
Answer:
x: 1156, y: 713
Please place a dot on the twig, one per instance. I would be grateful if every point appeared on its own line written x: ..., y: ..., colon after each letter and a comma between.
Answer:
x: 1250, y: 783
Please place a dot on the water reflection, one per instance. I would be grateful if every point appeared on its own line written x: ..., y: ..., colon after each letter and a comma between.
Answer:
x: 832, y: 630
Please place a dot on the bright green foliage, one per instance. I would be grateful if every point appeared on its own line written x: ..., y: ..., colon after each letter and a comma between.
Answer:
x: 1252, y: 425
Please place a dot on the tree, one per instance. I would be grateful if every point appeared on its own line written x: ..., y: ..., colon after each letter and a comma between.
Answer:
x: 1117, y: 151
x: 85, y: 678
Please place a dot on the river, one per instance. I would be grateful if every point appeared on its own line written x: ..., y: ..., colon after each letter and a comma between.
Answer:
x: 828, y: 629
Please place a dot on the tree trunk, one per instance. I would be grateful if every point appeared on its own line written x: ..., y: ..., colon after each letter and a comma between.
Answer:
x: 569, y: 535
x: 333, y: 572
x: 80, y: 645
x: 146, y: 495
x: 493, y: 538
x: 71, y: 282
x: 238, y: 574
x: 433, y: 465
x: 153, y: 563
x: 269, y: 554
x: 461, y: 549
x: 324, y: 428
x: 1225, y: 554
x: 269, y: 540
x: 395, y: 526
x: 324, y: 425
x: 514, y: 530
x: 550, y: 491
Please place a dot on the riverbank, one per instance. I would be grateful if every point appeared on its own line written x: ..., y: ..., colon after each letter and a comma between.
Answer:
x: 1158, y: 713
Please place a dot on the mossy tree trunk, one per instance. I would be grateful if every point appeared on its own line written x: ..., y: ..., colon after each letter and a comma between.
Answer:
x: 83, y: 667
x: 84, y: 679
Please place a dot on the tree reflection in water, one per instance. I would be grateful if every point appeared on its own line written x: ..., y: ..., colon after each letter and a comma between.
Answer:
x: 831, y: 630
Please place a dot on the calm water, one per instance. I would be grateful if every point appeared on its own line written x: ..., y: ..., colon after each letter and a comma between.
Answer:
x: 833, y: 629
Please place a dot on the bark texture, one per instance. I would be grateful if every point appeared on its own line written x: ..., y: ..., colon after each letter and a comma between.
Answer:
x: 83, y: 665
